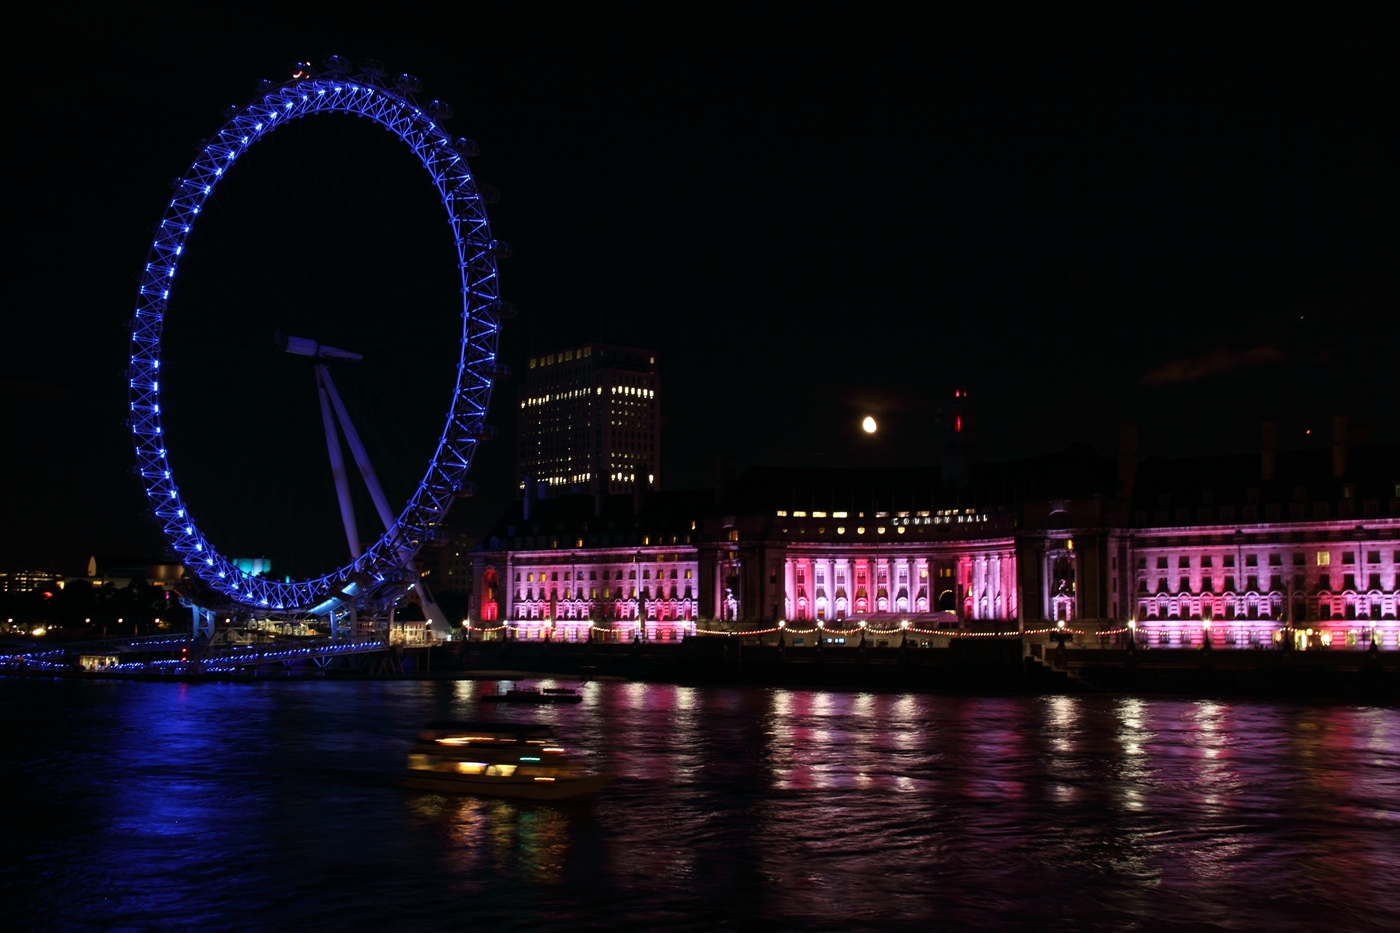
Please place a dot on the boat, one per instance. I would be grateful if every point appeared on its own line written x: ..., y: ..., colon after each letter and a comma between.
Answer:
x: 497, y: 759
x: 514, y: 694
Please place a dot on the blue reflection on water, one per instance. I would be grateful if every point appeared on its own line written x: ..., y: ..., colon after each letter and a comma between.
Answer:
x: 274, y: 806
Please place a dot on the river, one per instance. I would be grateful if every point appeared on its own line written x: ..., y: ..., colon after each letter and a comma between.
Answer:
x: 272, y: 806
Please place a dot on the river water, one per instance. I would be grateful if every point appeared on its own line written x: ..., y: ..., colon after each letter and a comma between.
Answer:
x: 272, y: 806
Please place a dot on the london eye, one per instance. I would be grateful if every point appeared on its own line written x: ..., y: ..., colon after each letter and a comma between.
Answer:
x: 282, y: 390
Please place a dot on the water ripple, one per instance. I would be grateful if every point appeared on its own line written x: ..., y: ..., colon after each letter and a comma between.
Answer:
x: 273, y: 806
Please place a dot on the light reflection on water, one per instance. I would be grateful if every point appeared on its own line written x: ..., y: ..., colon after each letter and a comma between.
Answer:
x: 134, y: 806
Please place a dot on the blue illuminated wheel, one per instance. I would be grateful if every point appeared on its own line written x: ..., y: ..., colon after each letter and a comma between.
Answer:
x: 383, y: 571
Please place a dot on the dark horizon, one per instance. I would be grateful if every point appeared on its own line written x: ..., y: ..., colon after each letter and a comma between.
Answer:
x: 1184, y: 220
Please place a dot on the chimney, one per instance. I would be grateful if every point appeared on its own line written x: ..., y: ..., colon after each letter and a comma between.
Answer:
x: 1268, y: 449
x: 957, y: 443
x: 1339, y: 445
x: 1127, y: 459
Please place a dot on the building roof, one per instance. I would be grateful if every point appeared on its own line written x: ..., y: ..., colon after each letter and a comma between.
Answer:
x: 611, y: 520
x: 1192, y: 490
x: 1166, y: 487
x: 1076, y: 471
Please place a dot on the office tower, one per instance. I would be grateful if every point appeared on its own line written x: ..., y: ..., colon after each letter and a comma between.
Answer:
x: 590, y: 420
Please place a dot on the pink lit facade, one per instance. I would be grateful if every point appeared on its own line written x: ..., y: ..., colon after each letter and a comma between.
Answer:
x: 1294, y: 550
x: 1322, y: 584
x: 613, y: 593
x: 950, y: 568
x: 835, y: 584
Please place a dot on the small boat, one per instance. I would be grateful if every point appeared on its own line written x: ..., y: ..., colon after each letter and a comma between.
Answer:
x: 516, y: 694
x: 497, y: 759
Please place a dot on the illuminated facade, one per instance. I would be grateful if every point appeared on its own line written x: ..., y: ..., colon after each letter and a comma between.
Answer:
x: 577, y: 567
x: 25, y: 581
x: 1246, y: 551
x: 1326, y: 581
x: 590, y: 420
x: 941, y: 568
x: 1250, y: 550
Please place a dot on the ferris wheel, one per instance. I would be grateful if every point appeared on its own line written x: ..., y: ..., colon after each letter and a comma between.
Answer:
x: 374, y: 577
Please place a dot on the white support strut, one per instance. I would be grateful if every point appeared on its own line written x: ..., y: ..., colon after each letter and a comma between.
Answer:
x: 325, y: 389
x: 431, y: 609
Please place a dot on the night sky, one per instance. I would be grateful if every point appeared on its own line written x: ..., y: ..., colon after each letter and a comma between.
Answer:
x: 1182, y: 218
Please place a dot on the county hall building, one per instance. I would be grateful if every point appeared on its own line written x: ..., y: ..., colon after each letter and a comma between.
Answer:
x: 1243, y: 550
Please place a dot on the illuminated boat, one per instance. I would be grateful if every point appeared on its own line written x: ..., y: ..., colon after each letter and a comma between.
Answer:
x: 497, y: 759
x: 534, y: 695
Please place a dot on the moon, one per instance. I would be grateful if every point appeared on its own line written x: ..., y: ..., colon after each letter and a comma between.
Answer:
x: 869, y: 426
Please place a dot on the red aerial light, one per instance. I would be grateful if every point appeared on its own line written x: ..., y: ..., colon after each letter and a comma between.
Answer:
x: 957, y: 423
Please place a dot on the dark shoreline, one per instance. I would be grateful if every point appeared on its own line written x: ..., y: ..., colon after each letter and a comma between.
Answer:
x: 993, y: 666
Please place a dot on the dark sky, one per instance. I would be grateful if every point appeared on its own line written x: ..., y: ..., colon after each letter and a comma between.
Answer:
x: 1185, y: 218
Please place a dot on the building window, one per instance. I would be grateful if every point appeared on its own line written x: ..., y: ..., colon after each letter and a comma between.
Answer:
x: 1324, y: 558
